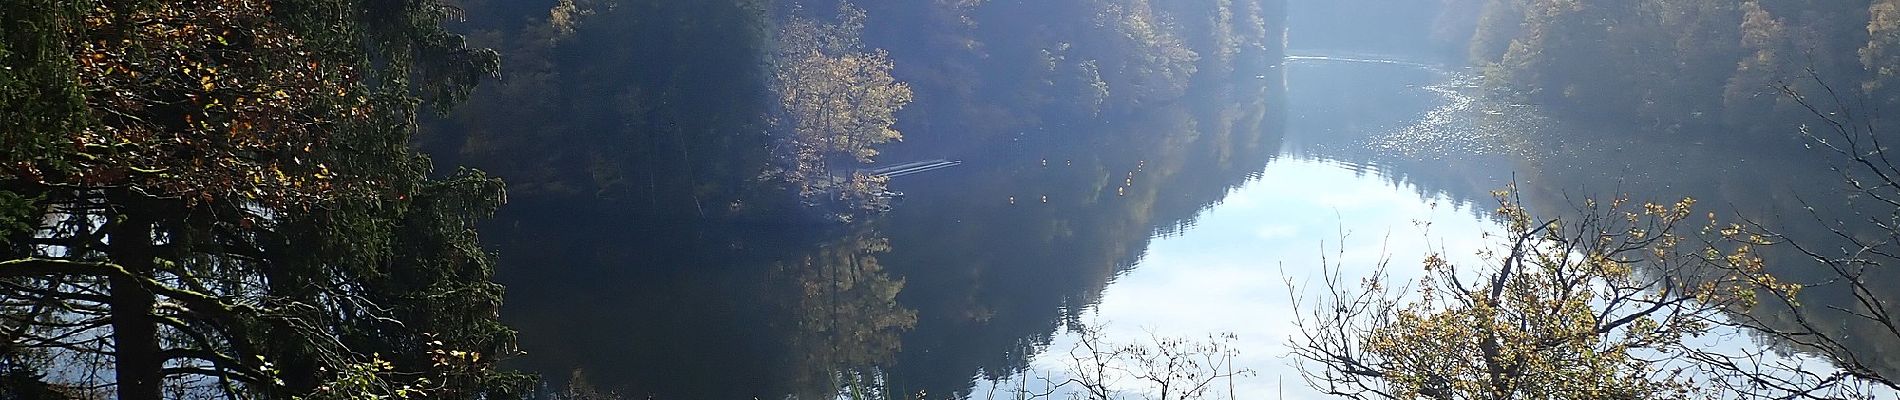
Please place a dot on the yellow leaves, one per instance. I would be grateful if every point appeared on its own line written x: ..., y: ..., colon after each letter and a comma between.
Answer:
x: 240, y: 108
x: 377, y: 363
x: 1517, y: 219
x: 838, y: 103
x: 1610, y: 268
x: 1434, y: 262
x: 1563, y: 306
x: 1681, y: 209
x: 1664, y: 214
x: 1653, y: 209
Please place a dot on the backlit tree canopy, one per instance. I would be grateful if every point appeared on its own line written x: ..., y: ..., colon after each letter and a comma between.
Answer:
x: 837, y: 102
x: 218, y: 198
x: 1613, y: 302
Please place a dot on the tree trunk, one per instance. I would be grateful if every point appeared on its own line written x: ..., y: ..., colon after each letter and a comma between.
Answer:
x: 290, y: 352
x: 134, y: 330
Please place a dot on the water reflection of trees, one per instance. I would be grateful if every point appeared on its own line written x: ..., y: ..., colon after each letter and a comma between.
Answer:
x: 1790, y: 192
x: 630, y: 250
x: 841, y: 312
x: 1558, y: 163
x: 718, y: 312
x: 999, y: 259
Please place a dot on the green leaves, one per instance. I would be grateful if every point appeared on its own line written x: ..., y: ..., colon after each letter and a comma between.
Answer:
x: 18, y: 215
x: 38, y: 97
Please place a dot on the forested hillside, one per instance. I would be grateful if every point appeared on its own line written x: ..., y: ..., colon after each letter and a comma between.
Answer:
x: 679, y: 109
x: 652, y: 109
x: 987, y: 70
x: 1705, y: 69
x: 647, y: 143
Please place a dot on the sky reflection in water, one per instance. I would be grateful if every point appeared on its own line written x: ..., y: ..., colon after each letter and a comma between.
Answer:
x: 1228, y: 274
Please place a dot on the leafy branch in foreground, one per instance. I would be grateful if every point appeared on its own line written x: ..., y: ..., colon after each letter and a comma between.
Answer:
x: 1609, y: 303
x: 217, y: 199
x: 1840, y: 310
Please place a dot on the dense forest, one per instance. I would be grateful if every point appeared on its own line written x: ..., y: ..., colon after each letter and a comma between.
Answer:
x: 732, y: 118
x: 1707, y: 70
x: 280, y: 199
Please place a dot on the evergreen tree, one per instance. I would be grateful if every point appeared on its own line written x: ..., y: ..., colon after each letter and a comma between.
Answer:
x: 218, y: 197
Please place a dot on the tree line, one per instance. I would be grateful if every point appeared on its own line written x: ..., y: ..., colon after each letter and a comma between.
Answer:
x: 666, y: 110
x: 1703, y: 69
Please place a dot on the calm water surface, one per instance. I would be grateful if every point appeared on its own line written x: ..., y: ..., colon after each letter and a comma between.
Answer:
x: 1327, y: 192
x: 1179, y: 219
x: 1229, y: 274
